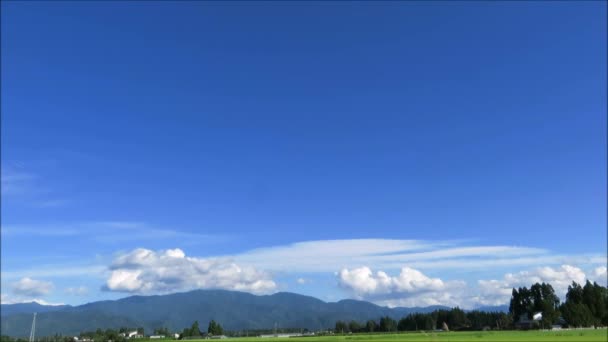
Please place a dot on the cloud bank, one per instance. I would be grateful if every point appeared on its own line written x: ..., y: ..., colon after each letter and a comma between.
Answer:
x: 494, y: 292
x: 384, y: 271
x: 28, y: 287
x: 411, y: 287
x: 146, y: 271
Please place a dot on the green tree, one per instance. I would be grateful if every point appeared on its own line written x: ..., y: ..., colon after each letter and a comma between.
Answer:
x: 406, y: 323
x: 577, y: 314
x: 354, y: 326
x: 161, y: 331
x: 215, y: 329
x: 111, y: 334
x: 415, y: 322
x: 539, y: 298
x: 586, y: 306
x: 573, y: 311
x: 371, y: 326
x: 546, y: 301
x: 601, y: 295
x: 194, y: 329
x: 341, y: 327
x: 387, y: 324
x: 457, y: 319
x: 596, y: 299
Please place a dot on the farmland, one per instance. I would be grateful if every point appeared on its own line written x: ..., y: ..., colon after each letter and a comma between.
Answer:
x: 490, y: 336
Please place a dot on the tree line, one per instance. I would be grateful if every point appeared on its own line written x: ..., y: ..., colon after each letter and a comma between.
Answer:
x: 454, y: 319
x: 114, y: 335
x: 194, y: 331
x: 585, y: 306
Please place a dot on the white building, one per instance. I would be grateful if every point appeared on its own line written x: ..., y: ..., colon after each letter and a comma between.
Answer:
x: 134, y: 334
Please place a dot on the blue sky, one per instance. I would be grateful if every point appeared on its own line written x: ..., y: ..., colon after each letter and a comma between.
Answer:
x: 406, y: 152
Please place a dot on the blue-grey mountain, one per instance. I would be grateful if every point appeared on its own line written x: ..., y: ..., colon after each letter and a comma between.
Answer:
x: 234, y: 310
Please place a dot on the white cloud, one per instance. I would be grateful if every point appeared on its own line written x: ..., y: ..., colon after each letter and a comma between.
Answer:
x: 302, y: 281
x: 25, y: 187
x: 110, y: 232
x: 5, y: 299
x: 400, y: 277
x: 57, y: 271
x: 475, y: 263
x: 147, y: 271
x: 364, y: 282
x: 600, y: 275
x: 324, y: 255
x: 409, y: 288
x: 31, y: 287
x: 330, y: 255
x: 77, y: 291
x: 455, y: 296
x: 44, y: 302
x: 495, y: 292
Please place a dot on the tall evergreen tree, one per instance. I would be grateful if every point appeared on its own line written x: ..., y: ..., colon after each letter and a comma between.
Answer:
x: 194, y: 330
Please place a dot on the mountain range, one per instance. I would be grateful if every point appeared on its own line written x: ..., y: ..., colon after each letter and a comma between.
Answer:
x: 233, y: 310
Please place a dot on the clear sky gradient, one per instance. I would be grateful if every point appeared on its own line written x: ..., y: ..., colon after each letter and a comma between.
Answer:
x: 223, y: 128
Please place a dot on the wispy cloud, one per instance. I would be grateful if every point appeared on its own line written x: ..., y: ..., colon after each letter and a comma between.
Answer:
x: 498, y: 262
x: 57, y: 271
x: 386, y: 271
x: 48, y: 230
x: 77, y: 291
x: 303, y: 281
x: 6, y: 299
x: 332, y: 255
x: 108, y: 232
x: 15, y: 181
x: 328, y: 255
x: 20, y: 185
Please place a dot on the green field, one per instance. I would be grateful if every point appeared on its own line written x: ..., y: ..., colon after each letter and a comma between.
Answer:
x: 563, y: 335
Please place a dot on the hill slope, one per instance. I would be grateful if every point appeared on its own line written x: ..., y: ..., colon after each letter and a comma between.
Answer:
x: 234, y: 310
x: 10, y: 309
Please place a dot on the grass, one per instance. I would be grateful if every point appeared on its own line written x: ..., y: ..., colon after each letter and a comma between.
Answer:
x: 489, y: 336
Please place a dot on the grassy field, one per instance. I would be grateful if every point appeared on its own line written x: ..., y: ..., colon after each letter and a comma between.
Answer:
x: 563, y: 335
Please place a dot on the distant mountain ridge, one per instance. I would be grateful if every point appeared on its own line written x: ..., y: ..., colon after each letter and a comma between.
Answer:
x: 234, y: 310
x: 29, y: 308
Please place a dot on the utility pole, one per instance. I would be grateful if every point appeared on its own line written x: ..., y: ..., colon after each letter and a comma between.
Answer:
x: 33, y: 330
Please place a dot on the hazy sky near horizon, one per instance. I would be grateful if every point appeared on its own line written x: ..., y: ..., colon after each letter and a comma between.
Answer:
x: 406, y: 153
